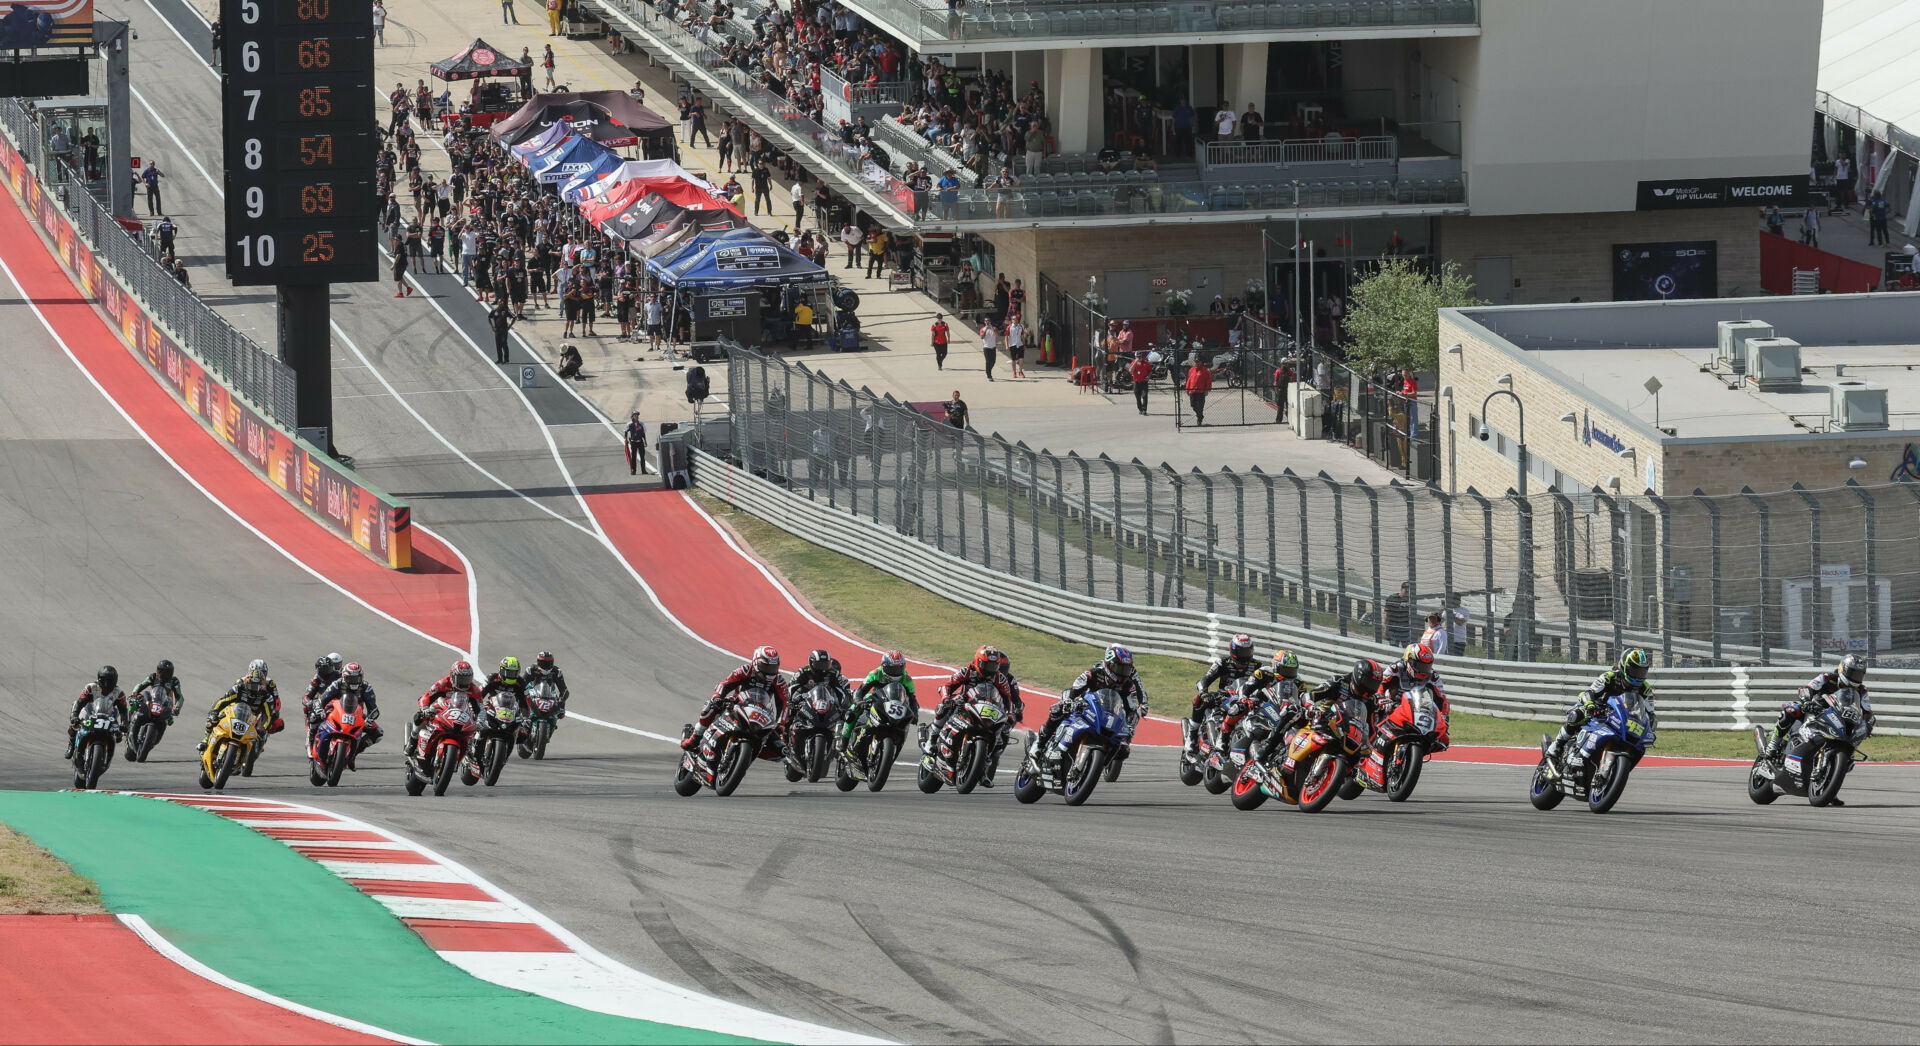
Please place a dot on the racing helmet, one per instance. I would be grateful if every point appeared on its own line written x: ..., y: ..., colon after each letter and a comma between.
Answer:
x: 1420, y: 661
x: 461, y: 674
x: 1286, y: 665
x: 1634, y: 664
x: 510, y: 669
x: 107, y: 678
x: 544, y: 662
x: 1852, y: 669
x: 257, y: 671
x: 819, y: 660
x: 1240, y: 648
x: 1118, y: 661
x: 334, y: 661
x: 986, y: 661
x: 163, y: 671
x: 893, y: 664
x: 766, y: 663
x: 1365, y: 676
x: 351, y: 677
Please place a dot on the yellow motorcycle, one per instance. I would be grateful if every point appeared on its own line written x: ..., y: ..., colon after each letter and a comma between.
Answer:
x: 236, y: 736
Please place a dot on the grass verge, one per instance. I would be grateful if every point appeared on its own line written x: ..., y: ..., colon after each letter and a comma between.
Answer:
x: 888, y: 612
x: 34, y: 882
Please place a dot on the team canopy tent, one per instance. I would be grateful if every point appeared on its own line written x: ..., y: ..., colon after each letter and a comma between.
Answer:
x: 731, y: 260
x: 686, y: 194
x: 611, y: 118
x: 574, y: 155
x: 581, y: 189
x: 652, y: 224
x: 478, y: 59
x: 539, y: 143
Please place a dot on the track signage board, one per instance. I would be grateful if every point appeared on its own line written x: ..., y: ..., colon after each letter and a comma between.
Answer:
x: 298, y: 108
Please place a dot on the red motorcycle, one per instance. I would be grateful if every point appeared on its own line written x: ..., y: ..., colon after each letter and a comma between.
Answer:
x: 441, y: 745
x: 1412, y: 733
x: 332, y: 744
x: 730, y: 744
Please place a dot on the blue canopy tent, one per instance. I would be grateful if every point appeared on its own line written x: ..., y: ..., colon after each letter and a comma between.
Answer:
x: 574, y: 156
x: 738, y: 263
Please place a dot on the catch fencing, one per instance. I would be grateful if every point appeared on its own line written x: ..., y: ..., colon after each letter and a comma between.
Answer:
x: 256, y: 374
x: 1689, y: 698
x: 1789, y: 579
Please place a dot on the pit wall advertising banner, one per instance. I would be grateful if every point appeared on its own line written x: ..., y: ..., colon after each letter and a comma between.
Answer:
x: 372, y: 520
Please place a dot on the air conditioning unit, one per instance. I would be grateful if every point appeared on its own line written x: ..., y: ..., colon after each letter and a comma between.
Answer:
x: 1773, y: 363
x: 1734, y: 335
x: 1859, y: 406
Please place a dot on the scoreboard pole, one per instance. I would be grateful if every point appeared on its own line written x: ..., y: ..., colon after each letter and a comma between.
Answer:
x: 299, y: 121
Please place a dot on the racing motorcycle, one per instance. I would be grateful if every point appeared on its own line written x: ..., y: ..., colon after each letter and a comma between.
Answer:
x: 336, y: 740
x: 1132, y: 712
x: 1082, y: 745
x: 152, y: 711
x: 95, y: 734
x: 1312, y: 765
x: 1596, y: 764
x: 233, y: 745
x: 499, y: 731
x: 810, y: 733
x: 730, y: 744
x: 1256, y: 727
x: 1402, y: 743
x: 543, y: 718
x: 1200, y: 741
x: 1819, y: 752
x: 963, y: 749
x: 436, y: 751
x: 876, y: 741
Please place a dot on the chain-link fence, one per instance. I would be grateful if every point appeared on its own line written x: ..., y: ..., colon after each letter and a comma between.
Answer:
x: 254, y: 373
x: 1786, y: 578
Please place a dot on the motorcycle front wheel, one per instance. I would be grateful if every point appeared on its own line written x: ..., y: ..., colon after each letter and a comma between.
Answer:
x: 97, y: 755
x: 497, y: 750
x: 542, y: 733
x: 880, y: 763
x: 1829, y: 770
x: 1247, y: 793
x: 223, y: 764
x: 1084, y: 775
x: 733, y: 768
x: 337, y: 760
x: 1403, y: 770
x: 973, y: 766
x: 1602, y: 798
x: 1321, y: 782
x: 446, y: 761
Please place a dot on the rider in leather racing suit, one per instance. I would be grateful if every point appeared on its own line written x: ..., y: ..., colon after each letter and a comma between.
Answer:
x: 1409, y: 673
x: 162, y: 676
x: 546, y: 670
x: 1362, y: 681
x: 1114, y: 671
x: 257, y: 690
x: 1850, y: 672
x: 351, y: 680
x: 764, y: 670
x: 459, y: 680
x: 107, y: 682
x: 326, y: 669
x: 1285, y: 670
x: 1235, y: 667
x: 1629, y: 674
x: 989, y: 665
x: 823, y: 667
x: 891, y: 669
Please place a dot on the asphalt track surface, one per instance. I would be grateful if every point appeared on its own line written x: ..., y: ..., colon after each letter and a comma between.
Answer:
x: 1154, y: 914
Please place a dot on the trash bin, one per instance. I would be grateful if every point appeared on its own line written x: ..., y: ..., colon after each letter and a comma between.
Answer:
x: 675, y: 462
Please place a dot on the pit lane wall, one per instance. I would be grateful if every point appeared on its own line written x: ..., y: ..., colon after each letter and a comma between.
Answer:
x: 372, y: 520
x: 1730, y: 697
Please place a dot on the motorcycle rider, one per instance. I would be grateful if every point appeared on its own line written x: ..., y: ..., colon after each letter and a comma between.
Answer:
x: 162, y: 676
x: 1850, y: 672
x: 1285, y: 669
x: 106, y: 682
x: 762, y: 669
x: 258, y: 691
x: 988, y: 666
x: 1114, y: 671
x: 1627, y: 675
x: 351, y: 681
x: 891, y: 669
x: 1233, y: 668
x: 507, y: 680
x: 326, y: 669
x: 823, y: 667
x: 545, y: 670
x: 1361, y: 681
x: 458, y: 680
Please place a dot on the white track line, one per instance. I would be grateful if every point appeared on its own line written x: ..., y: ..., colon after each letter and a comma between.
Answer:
x: 199, y: 969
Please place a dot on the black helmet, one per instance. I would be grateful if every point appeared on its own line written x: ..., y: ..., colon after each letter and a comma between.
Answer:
x: 1852, y: 669
x: 545, y: 661
x: 819, y: 660
x: 163, y: 671
x: 1240, y: 648
x: 108, y: 677
x: 1365, y: 676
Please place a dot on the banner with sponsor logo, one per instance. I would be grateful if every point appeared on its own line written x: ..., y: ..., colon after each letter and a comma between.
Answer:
x: 1787, y: 190
x: 376, y: 522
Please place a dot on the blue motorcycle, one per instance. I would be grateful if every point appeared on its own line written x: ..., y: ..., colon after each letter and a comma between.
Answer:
x: 1596, y: 764
x: 1087, y: 739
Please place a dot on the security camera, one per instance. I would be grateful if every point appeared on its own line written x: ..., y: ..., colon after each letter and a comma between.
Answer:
x: 1486, y: 434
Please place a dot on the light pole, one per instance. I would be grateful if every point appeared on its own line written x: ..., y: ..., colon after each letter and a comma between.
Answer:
x: 1507, y: 379
x: 1523, y: 590
x: 1296, y: 267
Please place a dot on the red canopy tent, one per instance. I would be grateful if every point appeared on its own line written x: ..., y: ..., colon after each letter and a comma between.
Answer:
x: 674, y: 190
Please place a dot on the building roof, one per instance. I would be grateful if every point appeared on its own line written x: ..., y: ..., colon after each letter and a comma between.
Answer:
x: 1866, y: 58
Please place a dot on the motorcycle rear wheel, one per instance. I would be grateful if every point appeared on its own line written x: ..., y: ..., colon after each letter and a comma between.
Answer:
x: 1403, y: 770
x: 1190, y: 774
x: 1321, y: 781
x: 1080, y: 789
x: 223, y: 764
x: 929, y: 781
x: 1543, y: 791
x: 1027, y: 787
x: 1247, y: 793
x: 1760, y: 788
x: 446, y: 761
x: 973, y: 766
x: 1823, y: 782
x: 133, y: 743
x: 880, y: 763
x: 733, y: 768
x: 1214, y: 781
x: 415, y: 786
x: 684, y: 782
x: 843, y: 778
x: 1602, y: 799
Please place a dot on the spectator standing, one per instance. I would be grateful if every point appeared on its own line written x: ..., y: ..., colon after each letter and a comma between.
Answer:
x: 1877, y: 219
x: 380, y: 22
x: 500, y: 319
x: 762, y: 186
x: 1017, y: 346
x: 1199, y: 383
x: 726, y: 146
x: 799, y: 193
x: 1843, y: 181
x: 636, y: 441
x: 822, y: 207
x: 1435, y: 636
x: 1282, y: 389
x: 1810, y: 226
x: 1036, y: 148
x: 850, y: 236
x: 553, y: 27
x: 990, y: 345
x: 546, y: 57
x: 942, y: 334
x: 398, y: 248
x: 1141, y: 372
x: 1223, y: 121
x: 653, y: 321
x: 1457, y: 618
x: 1398, y: 612
x: 219, y: 33
x: 166, y: 230
x: 948, y: 190
x: 877, y: 253
x: 507, y: 12
x: 1183, y: 129
x: 957, y: 411
x: 1251, y: 124
x: 150, y: 177
x: 697, y: 114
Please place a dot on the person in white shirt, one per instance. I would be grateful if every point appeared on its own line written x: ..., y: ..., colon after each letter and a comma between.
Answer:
x: 799, y: 205
x: 1017, y: 348
x: 1435, y: 637
x: 990, y: 345
x: 469, y: 249
x: 1456, y: 618
x: 1223, y: 122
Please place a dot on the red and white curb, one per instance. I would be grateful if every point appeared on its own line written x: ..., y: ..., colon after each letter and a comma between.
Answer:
x: 487, y: 932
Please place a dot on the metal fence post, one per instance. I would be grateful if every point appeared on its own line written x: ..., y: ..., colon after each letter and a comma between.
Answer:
x: 1273, y: 550
x: 1033, y: 509
x: 1013, y: 542
x: 986, y: 519
x: 960, y: 488
x: 1762, y: 626
x: 1339, y: 551
x: 1815, y: 628
x: 1413, y: 530
x: 1486, y: 533
x: 1666, y: 577
x: 1564, y: 538
x: 1873, y: 603
x: 1209, y: 561
x: 1146, y: 544
x: 1373, y: 530
x: 1447, y: 594
x: 832, y: 451
x: 1086, y: 515
x: 1527, y: 647
x: 1305, y: 588
x: 1616, y: 554
x: 935, y: 438
x: 1179, y: 541
x: 1713, y: 524
x: 1119, y: 540
x: 1059, y: 517
x: 1239, y: 538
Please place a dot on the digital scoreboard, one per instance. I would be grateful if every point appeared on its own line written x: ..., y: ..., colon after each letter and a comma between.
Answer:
x: 298, y: 105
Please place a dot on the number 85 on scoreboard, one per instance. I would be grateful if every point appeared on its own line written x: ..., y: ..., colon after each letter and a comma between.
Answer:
x: 298, y: 110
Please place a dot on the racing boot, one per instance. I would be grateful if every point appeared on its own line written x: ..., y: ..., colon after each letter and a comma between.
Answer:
x: 1558, y: 746
x: 687, y: 738
x: 1777, y: 745
x: 69, y: 754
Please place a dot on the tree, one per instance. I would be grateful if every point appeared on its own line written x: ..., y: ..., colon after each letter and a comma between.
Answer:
x: 1393, y: 319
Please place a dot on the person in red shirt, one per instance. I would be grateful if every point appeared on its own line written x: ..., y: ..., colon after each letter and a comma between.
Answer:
x: 1409, y: 385
x: 1140, y: 370
x: 1282, y: 386
x: 1199, y: 383
x: 941, y: 335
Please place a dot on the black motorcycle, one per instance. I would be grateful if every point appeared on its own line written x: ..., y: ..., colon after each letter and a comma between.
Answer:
x: 960, y: 753
x: 876, y: 741
x: 500, y: 717
x: 729, y: 745
x: 812, y: 727
x: 97, y: 732
x: 151, y: 710
x: 543, y: 718
x: 1819, y: 751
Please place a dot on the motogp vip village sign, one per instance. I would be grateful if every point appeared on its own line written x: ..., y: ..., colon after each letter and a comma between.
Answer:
x: 1787, y: 190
